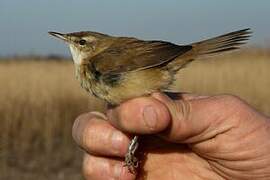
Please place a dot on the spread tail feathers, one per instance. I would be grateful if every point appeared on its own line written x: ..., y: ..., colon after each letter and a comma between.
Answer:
x: 221, y: 43
x: 226, y: 42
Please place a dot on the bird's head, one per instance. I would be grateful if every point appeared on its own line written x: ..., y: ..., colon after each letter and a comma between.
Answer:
x: 84, y: 45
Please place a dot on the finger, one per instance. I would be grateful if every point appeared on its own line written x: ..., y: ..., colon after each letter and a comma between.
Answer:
x: 104, y: 168
x: 200, y: 118
x: 184, y: 95
x: 142, y: 115
x: 97, y: 136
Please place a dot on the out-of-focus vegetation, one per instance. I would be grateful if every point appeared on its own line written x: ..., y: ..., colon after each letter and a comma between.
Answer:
x: 39, y: 101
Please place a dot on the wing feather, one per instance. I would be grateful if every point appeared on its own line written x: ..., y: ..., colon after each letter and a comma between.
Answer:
x: 129, y: 54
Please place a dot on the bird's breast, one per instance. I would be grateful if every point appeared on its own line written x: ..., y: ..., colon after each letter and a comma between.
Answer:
x: 116, y: 88
x: 90, y: 80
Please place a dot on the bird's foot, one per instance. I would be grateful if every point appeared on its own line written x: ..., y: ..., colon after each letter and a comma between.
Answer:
x: 130, y: 159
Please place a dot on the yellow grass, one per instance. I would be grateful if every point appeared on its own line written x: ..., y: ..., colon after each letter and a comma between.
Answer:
x: 40, y: 100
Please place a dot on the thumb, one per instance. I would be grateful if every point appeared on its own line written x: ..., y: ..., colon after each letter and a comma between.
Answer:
x: 198, y: 118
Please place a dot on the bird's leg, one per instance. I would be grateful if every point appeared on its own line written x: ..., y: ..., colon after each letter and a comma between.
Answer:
x: 130, y: 159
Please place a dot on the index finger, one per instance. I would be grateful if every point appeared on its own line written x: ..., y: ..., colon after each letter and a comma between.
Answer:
x: 99, y: 137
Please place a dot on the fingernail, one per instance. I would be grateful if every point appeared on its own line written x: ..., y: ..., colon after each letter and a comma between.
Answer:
x: 77, y: 128
x: 150, y: 117
x: 117, y: 141
x: 99, y: 114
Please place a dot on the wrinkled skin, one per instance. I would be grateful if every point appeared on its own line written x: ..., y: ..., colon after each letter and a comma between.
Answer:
x: 196, y: 137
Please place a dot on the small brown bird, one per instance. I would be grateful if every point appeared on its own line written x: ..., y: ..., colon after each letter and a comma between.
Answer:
x: 116, y: 69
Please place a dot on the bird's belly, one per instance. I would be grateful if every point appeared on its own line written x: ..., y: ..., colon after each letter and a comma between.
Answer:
x: 129, y: 85
x: 137, y: 83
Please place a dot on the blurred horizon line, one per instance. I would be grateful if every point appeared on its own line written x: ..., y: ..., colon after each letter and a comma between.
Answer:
x: 59, y: 56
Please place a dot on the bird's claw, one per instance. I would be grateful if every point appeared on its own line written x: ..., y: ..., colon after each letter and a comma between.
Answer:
x: 130, y: 159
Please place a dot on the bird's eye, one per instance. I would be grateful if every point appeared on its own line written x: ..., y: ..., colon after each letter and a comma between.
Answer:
x: 82, y: 42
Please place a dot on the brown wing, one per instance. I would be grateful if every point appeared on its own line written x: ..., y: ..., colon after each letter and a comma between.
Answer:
x: 128, y: 54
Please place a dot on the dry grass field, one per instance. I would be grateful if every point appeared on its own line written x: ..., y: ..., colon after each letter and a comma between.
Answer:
x: 39, y: 101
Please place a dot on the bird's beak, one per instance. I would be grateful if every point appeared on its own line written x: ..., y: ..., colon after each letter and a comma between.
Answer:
x: 61, y: 36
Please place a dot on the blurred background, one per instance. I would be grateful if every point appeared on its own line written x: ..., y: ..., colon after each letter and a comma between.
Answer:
x: 40, y: 97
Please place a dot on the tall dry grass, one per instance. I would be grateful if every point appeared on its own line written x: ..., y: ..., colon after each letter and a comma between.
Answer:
x: 39, y: 101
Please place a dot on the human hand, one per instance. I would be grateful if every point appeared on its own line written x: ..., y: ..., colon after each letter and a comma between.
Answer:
x: 197, y: 137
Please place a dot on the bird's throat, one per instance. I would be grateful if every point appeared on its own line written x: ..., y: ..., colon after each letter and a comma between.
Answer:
x: 76, y: 55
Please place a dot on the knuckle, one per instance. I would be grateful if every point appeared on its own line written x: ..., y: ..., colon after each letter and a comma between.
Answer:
x: 185, y: 109
x: 235, y: 109
x: 181, y: 118
x: 87, y: 168
x: 82, y: 130
x: 231, y: 99
x: 99, y: 168
x: 85, y: 141
x: 233, y: 103
x: 180, y: 113
x: 92, y: 136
